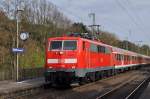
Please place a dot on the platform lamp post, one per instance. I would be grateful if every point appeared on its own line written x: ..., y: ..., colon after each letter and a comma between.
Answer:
x: 18, y: 11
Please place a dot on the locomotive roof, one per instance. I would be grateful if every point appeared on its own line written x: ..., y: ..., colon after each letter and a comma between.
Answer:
x: 114, y: 49
x: 64, y: 38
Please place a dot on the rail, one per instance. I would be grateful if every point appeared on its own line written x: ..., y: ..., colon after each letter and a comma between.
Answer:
x: 134, y: 90
x: 103, y: 96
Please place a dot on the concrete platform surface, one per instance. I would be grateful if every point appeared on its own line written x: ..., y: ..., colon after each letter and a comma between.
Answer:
x: 10, y: 86
x: 146, y: 93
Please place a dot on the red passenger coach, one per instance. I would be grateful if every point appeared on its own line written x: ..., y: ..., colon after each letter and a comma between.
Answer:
x: 71, y: 59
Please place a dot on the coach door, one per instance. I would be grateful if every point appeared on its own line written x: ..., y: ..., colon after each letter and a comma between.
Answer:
x: 122, y: 59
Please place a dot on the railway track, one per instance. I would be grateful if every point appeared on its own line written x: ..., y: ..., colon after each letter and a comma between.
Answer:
x: 136, y: 92
x: 88, y: 91
x: 91, y: 90
x: 127, y: 90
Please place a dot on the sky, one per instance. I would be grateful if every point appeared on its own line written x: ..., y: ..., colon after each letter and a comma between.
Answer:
x: 128, y: 19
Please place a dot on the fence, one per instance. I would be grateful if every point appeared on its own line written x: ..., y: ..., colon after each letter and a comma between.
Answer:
x: 24, y: 74
x: 6, y: 75
x: 31, y: 73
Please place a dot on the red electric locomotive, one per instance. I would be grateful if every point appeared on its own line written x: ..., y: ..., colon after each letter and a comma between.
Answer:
x: 71, y: 59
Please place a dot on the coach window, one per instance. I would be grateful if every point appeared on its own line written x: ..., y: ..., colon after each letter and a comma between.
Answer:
x: 132, y: 57
x: 124, y: 57
x: 116, y: 57
x: 127, y: 58
x: 120, y: 57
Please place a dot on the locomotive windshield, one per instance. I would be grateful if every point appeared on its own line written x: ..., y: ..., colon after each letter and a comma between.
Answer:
x: 56, y: 45
x: 63, y: 45
x: 69, y: 45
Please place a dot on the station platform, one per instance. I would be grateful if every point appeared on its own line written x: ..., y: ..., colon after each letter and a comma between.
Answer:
x: 9, y: 87
x: 146, y: 93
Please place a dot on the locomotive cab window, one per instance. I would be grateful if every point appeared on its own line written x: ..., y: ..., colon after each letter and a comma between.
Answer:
x: 63, y: 45
x: 69, y: 45
x: 56, y: 45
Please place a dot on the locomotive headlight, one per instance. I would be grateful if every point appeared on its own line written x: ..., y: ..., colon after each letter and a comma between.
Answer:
x: 61, y: 53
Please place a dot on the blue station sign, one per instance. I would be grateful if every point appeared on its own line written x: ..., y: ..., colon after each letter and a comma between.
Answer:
x: 17, y: 50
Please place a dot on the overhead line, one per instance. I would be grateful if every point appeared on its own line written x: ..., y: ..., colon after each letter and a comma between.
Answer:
x: 130, y: 16
x: 134, y: 21
x: 136, y: 15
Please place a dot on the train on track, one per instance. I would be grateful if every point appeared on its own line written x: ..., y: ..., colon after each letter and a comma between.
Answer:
x: 79, y: 59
